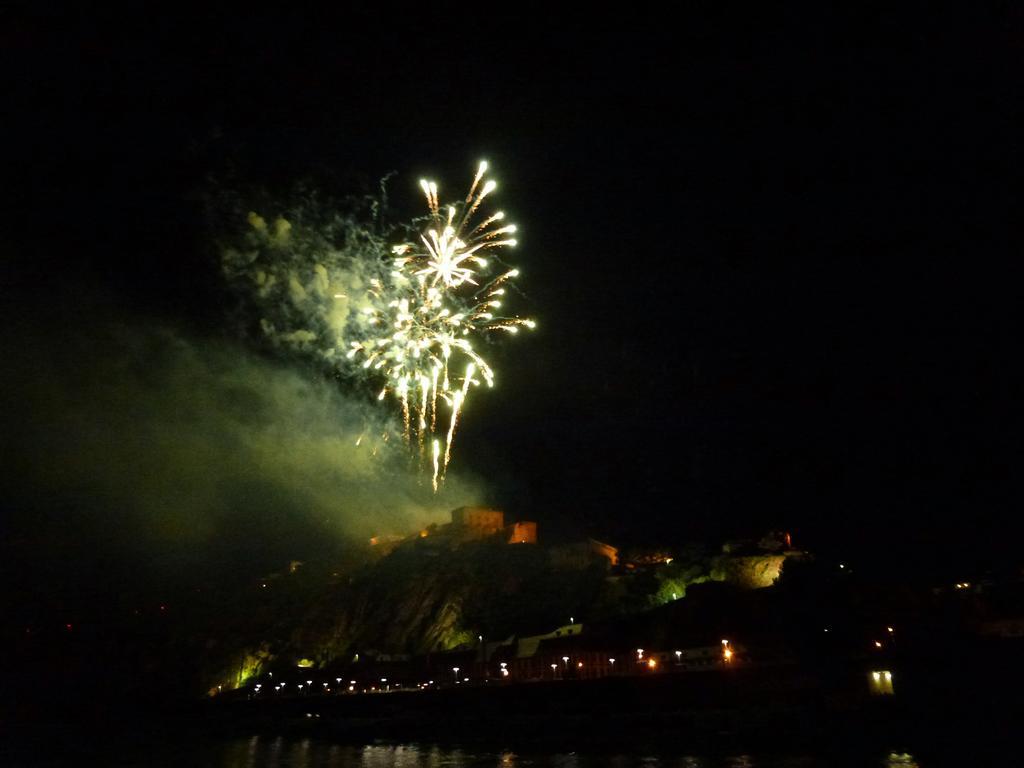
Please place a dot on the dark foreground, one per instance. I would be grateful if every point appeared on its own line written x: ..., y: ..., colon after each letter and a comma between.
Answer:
x: 964, y: 714
x: 262, y: 751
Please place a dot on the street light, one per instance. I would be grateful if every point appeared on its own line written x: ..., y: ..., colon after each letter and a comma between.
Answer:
x: 679, y: 657
x: 456, y: 671
x: 565, y: 660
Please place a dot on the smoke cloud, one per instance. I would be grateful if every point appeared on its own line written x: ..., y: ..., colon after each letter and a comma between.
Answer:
x: 301, y: 275
x: 132, y: 437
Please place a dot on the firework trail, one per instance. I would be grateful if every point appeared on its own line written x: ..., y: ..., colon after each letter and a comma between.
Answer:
x: 418, y: 324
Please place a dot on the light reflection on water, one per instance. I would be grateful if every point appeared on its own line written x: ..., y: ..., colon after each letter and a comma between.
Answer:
x: 277, y: 752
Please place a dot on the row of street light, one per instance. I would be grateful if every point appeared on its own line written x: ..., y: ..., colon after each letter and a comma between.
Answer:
x: 385, y: 686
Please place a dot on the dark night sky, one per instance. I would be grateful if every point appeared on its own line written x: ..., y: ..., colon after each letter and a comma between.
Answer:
x: 773, y: 257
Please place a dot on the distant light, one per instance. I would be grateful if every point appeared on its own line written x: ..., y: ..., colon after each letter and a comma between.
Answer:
x: 889, y: 629
x: 877, y: 644
x: 612, y: 662
x: 877, y: 676
x: 579, y: 665
x: 651, y: 663
x: 841, y: 565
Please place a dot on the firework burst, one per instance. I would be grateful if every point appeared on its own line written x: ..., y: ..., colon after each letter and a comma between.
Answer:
x: 418, y: 326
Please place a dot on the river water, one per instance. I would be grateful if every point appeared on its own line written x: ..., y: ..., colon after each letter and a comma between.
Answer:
x: 271, y: 753
x: 282, y: 752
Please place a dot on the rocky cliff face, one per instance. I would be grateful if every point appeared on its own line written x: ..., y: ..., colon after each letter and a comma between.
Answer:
x: 749, y: 572
x: 428, y: 595
x: 419, y: 598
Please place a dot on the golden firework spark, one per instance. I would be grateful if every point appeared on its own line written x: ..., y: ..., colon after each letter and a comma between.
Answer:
x: 421, y: 324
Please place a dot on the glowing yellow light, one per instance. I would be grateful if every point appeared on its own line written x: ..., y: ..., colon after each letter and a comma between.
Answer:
x: 437, y: 454
x: 651, y: 663
x: 440, y: 296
